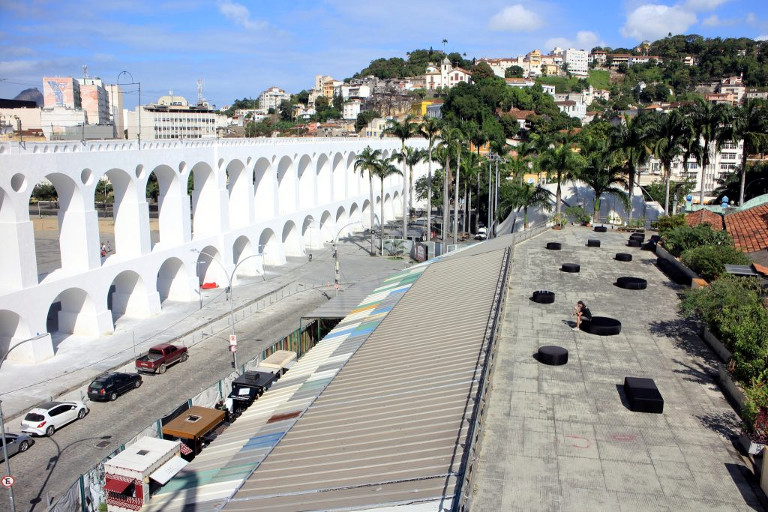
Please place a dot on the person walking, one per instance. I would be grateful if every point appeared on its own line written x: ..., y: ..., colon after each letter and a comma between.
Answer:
x: 583, y: 314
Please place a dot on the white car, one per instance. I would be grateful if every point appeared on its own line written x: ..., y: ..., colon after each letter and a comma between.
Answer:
x: 46, y: 419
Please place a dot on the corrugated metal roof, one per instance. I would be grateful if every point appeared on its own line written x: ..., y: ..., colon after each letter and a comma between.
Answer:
x: 340, y: 305
x: 390, y: 427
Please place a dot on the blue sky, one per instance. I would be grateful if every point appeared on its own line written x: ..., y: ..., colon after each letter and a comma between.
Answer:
x: 241, y: 47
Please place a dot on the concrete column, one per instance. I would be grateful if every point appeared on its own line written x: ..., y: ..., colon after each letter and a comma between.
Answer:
x: 79, y: 240
x: 137, y: 304
x: 33, y: 351
x: 86, y: 323
x: 18, y: 264
x: 132, y: 236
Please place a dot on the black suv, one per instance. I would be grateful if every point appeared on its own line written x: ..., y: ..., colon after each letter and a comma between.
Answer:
x: 110, y: 385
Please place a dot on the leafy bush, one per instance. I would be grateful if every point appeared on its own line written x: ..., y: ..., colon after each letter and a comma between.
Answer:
x: 577, y: 214
x: 709, y: 260
x: 667, y: 222
x: 755, y: 411
x: 733, y: 309
x: 680, y: 239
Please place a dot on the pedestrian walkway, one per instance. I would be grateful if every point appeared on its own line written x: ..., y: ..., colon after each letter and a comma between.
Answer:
x: 78, y: 359
x: 562, y: 438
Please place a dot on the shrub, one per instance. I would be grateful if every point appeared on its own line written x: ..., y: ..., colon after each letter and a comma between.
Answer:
x: 667, y: 222
x: 577, y: 214
x: 755, y: 411
x: 709, y: 260
x: 733, y: 309
x: 680, y: 239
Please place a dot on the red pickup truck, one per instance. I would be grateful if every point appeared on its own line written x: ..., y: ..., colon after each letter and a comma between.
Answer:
x: 161, y: 357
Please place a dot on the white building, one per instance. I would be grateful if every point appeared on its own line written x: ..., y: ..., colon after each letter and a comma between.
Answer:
x: 577, y: 61
x: 572, y: 108
x: 272, y: 97
x: 172, y: 118
x: 94, y: 100
x: 445, y: 76
x: 351, y: 109
x: 115, y: 95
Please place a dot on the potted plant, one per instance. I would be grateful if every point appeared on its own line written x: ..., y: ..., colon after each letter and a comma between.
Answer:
x: 579, y: 215
x: 559, y: 220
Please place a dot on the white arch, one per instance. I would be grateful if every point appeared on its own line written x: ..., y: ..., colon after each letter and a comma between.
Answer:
x: 264, y: 190
x: 127, y: 215
x: 127, y: 296
x: 170, y: 208
x: 173, y: 281
x: 271, y: 248
x: 366, y: 215
x: 73, y: 226
x: 306, y: 183
x: 353, y: 178
x: 286, y: 186
x: 244, y: 254
x: 291, y: 240
x: 326, y: 226
x: 74, y: 312
x: 205, y: 210
x: 339, y: 180
x: 209, y: 267
x: 240, y: 189
x: 310, y: 232
x: 12, y: 327
x: 323, y: 180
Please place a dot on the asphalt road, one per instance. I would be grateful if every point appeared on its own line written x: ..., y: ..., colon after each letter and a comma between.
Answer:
x: 53, y: 464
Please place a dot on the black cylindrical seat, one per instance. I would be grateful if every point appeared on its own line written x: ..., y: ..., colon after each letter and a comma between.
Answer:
x: 554, y: 246
x: 543, y: 297
x: 633, y: 243
x: 602, y: 326
x: 553, y: 355
x: 632, y: 283
x: 600, y: 229
x: 570, y: 267
x: 623, y: 256
x: 593, y: 242
x: 637, y: 236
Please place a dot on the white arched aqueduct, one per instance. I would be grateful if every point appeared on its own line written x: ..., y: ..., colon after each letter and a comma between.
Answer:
x: 216, y: 199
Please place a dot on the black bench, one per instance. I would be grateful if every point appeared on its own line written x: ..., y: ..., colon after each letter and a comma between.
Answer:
x: 601, y: 326
x: 570, y: 267
x: 600, y: 229
x: 637, y: 236
x: 553, y: 355
x: 543, y: 297
x: 633, y: 243
x: 632, y: 283
x: 623, y: 256
x: 593, y: 242
x: 554, y: 246
x: 650, y: 245
x: 643, y: 395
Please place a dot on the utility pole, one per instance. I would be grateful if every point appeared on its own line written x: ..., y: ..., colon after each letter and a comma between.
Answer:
x: 5, y: 455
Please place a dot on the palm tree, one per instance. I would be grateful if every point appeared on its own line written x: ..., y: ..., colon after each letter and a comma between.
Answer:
x: 384, y: 169
x: 515, y: 195
x: 471, y: 168
x: 561, y: 161
x: 411, y: 157
x: 368, y: 160
x: 749, y: 123
x: 666, y: 137
x: 403, y: 130
x: 708, y: 121
x: 450, y: 142
x: 630, y: 140
x: 430, y: 129
x: 603, y: 174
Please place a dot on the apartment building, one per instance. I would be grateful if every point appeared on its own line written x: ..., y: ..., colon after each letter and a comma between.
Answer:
x: 271, y: 98
x: 577, y: 61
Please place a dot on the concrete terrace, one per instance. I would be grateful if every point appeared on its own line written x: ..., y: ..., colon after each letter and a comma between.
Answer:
x: 562, y: 438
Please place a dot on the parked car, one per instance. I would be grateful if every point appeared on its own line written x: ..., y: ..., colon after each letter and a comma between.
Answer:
x: 47, y: 418
x: 113, y: 384
x: 161, y: 357
x: 16, y: 443
x: 482, y: 234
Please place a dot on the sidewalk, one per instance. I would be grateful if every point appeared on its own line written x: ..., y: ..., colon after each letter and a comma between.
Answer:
x: 79, y: 359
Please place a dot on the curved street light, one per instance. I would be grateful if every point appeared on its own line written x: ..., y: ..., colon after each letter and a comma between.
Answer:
x: 336, y: 267
x: 133, y: 82
x: 229, y: 277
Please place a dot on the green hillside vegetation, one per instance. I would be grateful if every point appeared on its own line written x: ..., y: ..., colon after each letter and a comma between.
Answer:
x: 415, y: 65
x: 598, y: 78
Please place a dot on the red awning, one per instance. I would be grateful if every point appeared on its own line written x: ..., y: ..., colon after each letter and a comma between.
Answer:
x: 116, y: 485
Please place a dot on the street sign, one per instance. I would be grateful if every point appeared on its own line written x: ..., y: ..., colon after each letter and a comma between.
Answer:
x: 233, y: 340
x: 233, y: 348
x: 7, y: 481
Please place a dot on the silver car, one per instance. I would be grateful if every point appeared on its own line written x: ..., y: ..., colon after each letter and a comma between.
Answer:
x: 16, y: 443
x: 47, y: 418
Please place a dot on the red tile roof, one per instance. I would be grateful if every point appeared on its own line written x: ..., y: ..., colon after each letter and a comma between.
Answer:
x: 749, y: 228
x: 705, y: 216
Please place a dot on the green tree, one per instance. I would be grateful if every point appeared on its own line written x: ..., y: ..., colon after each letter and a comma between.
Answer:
x: 410, y: 158
x: 603, y: 175
x: 368, y: 161
x: 514, y: 195
x: 630, y: 140
x: 286, y: 110
x: 365, y: 117
x: 481, y: 71
x: 749, y: 123
x: 708, y: 121
x: 383, y: 170
x: 561, y: 161
x: 430, y: 130
x: 666, y: 132
x: 514, y: 72
x: 403, y: 130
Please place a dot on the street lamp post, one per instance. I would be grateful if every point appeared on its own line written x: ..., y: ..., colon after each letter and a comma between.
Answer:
x: 2, y: 422
x: 229, y: 277
x: 133, y: 82
x: 336, y: 266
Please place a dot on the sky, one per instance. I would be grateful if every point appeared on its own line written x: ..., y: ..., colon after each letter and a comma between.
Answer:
x: 239, y: 48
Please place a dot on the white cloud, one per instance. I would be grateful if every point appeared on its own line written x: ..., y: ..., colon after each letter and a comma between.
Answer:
x: 653, y: 22
x: 763, y: 37
x: 557, y: 42
x: 240, y: 15
x: 515, y: 18
x: 586, y: 39
x: 751, y: 18
x: 703, y: 5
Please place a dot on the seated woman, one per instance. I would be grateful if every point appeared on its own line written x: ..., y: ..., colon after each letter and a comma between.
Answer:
x: 583, y: 314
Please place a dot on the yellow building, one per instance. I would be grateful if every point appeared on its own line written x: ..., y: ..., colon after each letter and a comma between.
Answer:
x: 420, y: 108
